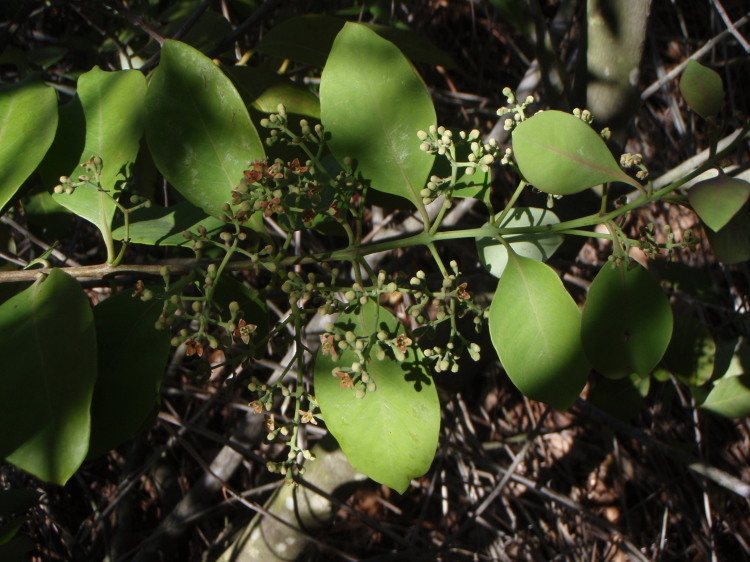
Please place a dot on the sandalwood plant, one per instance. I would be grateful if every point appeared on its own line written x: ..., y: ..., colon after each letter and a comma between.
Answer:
x: 261, y: 175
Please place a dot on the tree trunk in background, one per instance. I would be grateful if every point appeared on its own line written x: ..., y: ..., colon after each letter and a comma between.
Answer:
x: 615, y: 36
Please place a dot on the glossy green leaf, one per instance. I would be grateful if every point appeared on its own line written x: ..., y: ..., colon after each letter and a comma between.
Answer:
x: 48, y: 377
x: 372, y: 102
x: 28, y: 120
x: 132, y: 358
x: 691, y: 352
x: 730, y: 397
x: 264, y: 91
x: 392, y: 433
x: 535, y: 329
x: 163, y: 226
x: 559, y: 153
x: 476, y: 185
x: 494, y: 255
x: 112, y: 104
x: 627, y: 321
x: 702, y: 89
x: 731, y: 244
x: 718, y: 199
x: 198, y: 128
x: 308, y: 39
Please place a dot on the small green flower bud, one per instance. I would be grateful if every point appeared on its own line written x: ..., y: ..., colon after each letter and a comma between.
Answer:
x: 197, y: 306
x: 371, y: 387
x: 359, y: 394
x: 350, y: 295
x: 147, y: 295
x: 422, y: 135
x: 58, y: 189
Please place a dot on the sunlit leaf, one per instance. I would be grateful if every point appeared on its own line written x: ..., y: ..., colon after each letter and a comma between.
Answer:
x: 198, y: 128
x: 494, y: 255
x: 28, y: 120
x: 627, y: 321
x: 730, y: 397
x: 560, y: 154
x: 49, y: 371
x: 391, y: 434
x: 112, y: 104
x: 535, y: 329
x: 702, y: 89
x: 373, y: 103
x: 132, y: 358
x: 718, y: 199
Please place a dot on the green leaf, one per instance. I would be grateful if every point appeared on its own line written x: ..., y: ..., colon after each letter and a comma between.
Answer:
x: 718, y: 199
x: 730, y: 397
x: 308, y: 39
x: 702, y: 89
x: 132, y: 358
x: 372, y: 102
x: 560, y: 154
x: 70, y: 138
x: 17, y: 500
x: 112, y: 105
x: 535, y: 329
x: 627, y: 321
x: 17, y: 550
x: 475, y: 185
x: 691, y: 352
x: 28, y: 120
x: 163, y: 226
x: 391, y: 434
x: 49, y: 372
x: 264, y: 91
x: 731, y: 244
x: 198, y: 128
x: 494, y: 255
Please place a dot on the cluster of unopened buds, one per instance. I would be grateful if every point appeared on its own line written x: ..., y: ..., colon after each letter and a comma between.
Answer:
x: 93, y: 167
x: 516, y: 109
x: 628, y: 160
x: 279, y: 131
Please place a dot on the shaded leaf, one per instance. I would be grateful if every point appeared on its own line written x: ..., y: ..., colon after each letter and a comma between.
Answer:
x: 691, y: 352
x: 535, y: 329
x: 49, y: 372
x: 163, y: 226
x: 621, y: 398
x: 627, y: 321
x: 308, y: 39
x: 392, y: 433
x: 132, y: 358
x: 702, y: 89
x: 17, y: 500
x: 718, y: 199
x: 494, y: 255
x: 373, y: 103
x: 198, y: 128
x: 112, y: 104
x: 731, y: 244
x: 560, y: 154
x: 28, y: 120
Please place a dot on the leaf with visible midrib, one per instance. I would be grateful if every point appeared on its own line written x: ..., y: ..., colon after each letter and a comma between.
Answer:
x: 560, y: 154
x: 372, y: 102
x: 49, y: 371
x: 198, y: 129
x: 392, y: 433
x: 112, y: 104
x: 535, y: 329
x: 28, y: 120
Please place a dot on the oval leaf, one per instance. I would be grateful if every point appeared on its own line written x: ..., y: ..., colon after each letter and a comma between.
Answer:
x: 28, y: 120
x: 198, y: 128
x: 730, y: 397
x: 731, y: 244
x: 559, y: 153
x: 112, y: 105
x: 627, y: 321
x: 494, y: 255
x: 718, y: 199
x: 691, y: 352
x: 49, y: 371
x: 702, y: 89
x: 373, y: 103
x: 392, y: 433
x: 132, y: 358
x: 535, y: 329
